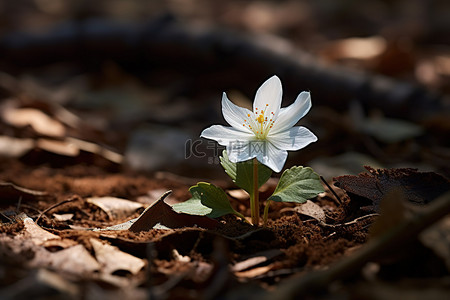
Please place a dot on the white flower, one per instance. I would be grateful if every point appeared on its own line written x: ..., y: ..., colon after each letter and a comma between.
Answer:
x: 267, y: 132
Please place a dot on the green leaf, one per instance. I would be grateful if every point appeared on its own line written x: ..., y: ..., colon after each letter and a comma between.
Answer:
x: 207, y: 200
x: 242, y: 173
x: 297, y: 184
x: 192, y: 206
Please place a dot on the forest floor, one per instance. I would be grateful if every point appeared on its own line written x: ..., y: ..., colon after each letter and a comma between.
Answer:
x: 91, y: 138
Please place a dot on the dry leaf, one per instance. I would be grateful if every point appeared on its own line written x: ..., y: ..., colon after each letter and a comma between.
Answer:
x: 74, y: 260
x: 312, y: 210
x: 113, y: 260
x: 96, y: 149
x: 116, y: 208
x: 14, y: 147
x: 56, y: 281
x: 356, y: 48
x: 38, y: 235
x: 39, y: 121
x: 256, y: 259
x: 238, y: 194
x: 418, y: 187
x: 63, y: 217
x: 58, y: 147
x: 252, y: 273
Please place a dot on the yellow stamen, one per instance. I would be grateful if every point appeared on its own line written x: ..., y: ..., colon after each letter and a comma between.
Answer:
x: 260, y: 119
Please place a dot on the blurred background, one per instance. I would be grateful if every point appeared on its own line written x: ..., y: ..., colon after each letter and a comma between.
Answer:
x: 131, y: 84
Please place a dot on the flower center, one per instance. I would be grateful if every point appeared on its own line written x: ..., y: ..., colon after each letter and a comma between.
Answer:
x: 260, y: 123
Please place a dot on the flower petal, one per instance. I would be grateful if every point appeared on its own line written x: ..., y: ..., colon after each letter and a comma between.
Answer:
x: 268, y: 97
x: 235, y: 115
x: 290, y: 115
x: 294, y: 138
x: 273, y: 157
x: 240, y: 151
x: 226, y: 135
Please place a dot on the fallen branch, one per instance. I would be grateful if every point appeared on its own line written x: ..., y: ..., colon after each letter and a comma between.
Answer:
x: 206, y: 55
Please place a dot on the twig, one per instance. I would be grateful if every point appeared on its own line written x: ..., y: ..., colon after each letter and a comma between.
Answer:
x: 332, y: 190
x: 6, y: 217
x: 350, y: 222
x: 396, y: 236
x: 54, y: 206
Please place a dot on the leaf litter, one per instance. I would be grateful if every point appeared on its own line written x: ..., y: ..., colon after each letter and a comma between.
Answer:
x: 296, y: 239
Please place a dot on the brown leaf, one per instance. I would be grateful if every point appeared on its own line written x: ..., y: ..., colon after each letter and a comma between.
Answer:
x: 256, y: 259
x: 63, y: 217
x: 39, y: 121
x: 418, y: 187
x: 113, y: 260
x: 161, y: 213
x: 116, y: 208
x: 74, y: 260
x: 14, y: 147
x: 312, y: 210
x: 252, y: 273
x: 58, y: 147
x: 38, y: 235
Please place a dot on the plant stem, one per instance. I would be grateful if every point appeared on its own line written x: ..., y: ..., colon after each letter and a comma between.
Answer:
x: 266, y: 212
x: 254, y: 199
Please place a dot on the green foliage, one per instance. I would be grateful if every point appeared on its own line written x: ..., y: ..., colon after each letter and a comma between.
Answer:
x: 242, y: 173
x: 297, y: 184
x: 207, y: 200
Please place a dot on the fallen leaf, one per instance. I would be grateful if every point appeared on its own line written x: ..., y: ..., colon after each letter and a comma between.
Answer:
x: 116, y: 208
x: 113, y: 260
x: 57, y: 282
x: 39, y: 121
x: 96, y: 149
x: 240, y: 194
x: 252, y: 273
x: 38, y: 235
x: 418, y: 187
x: 256, y: 259
x: 74, y: 260
x: 14, y: 147
x: 63, y: 217
x: 312, y: 210
x: 356, y: 48
x: 58, y: 147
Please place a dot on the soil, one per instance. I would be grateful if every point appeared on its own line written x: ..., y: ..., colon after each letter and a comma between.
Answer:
x: 303, y: 243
